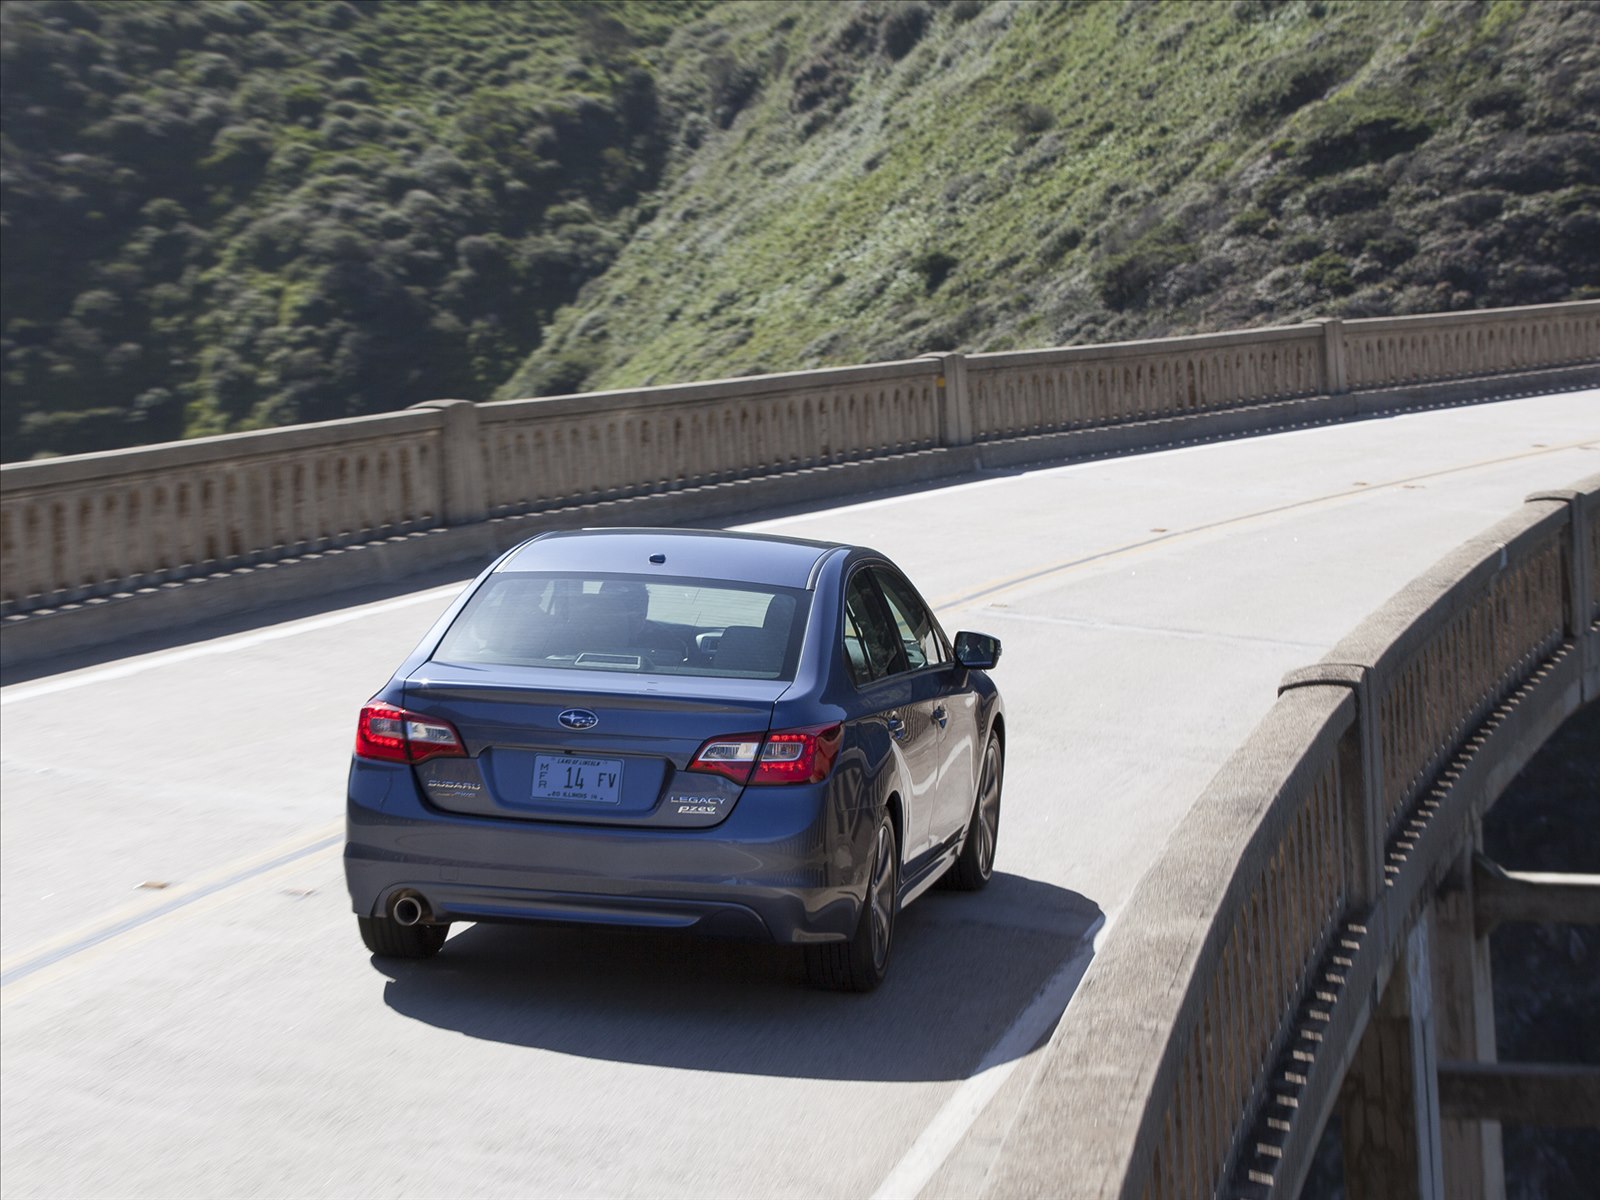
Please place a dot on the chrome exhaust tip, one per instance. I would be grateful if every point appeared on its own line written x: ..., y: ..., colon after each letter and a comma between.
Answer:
x: 408, y: 910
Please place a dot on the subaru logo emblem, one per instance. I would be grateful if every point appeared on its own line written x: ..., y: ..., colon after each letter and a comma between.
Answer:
x: 578, y: 718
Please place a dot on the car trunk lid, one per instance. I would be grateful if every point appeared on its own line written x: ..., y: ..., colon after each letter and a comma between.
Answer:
x: 584, y: 745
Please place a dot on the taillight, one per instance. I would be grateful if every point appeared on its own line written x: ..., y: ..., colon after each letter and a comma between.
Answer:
x: 784, y: 756
x: 799, y: 755
x: 395, y: 735
x: 732, y: 756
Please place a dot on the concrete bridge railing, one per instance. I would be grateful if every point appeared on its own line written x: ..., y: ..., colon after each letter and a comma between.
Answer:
x: 1206, y: 1047
x: 75, y: 531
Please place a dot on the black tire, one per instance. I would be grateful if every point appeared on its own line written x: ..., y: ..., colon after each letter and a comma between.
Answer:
x: 975, y: 864
x: 860, y: 964
x: 394, y: 940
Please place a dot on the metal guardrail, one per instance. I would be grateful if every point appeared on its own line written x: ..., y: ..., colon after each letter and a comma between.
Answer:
x: 1203, y: 1051
x: 95, y: 525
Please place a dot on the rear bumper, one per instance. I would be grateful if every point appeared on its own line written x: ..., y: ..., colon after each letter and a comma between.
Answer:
x: 788, y: 865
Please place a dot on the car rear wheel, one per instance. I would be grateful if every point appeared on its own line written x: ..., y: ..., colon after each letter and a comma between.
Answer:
x: 860, y: 964
x: 394, y: 940
x: 975, y: 864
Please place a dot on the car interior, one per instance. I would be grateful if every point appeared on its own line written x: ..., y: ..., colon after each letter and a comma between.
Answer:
x: 625, y: 625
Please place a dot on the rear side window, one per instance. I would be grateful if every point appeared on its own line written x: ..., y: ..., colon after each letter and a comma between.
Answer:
x: 629, y: 623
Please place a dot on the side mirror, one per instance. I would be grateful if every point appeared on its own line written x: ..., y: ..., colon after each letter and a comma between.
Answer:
x: 977, y: 651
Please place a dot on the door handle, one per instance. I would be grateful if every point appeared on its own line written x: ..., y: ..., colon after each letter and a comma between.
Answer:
x: 941, y: 716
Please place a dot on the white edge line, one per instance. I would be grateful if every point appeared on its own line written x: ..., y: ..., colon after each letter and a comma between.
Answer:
x: 223, y: 645
x: 950, y: 1124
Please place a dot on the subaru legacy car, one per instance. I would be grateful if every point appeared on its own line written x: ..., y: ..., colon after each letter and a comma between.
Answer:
x: 737, y: 735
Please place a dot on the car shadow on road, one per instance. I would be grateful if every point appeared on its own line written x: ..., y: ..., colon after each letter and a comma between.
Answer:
x: 965, y: 966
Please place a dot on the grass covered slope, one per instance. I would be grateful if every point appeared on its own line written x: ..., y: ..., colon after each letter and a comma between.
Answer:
x: 980, y: 177
x: 228, y: 214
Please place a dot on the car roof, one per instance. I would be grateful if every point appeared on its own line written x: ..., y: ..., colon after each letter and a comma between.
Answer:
x: 691, y: 553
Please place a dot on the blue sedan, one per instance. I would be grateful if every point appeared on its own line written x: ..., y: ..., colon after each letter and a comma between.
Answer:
x: 738, y: 735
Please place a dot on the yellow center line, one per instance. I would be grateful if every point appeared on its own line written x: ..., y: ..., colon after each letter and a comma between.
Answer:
x: 53, y: 969
x: 1004, y: 584
x: 132, y: 916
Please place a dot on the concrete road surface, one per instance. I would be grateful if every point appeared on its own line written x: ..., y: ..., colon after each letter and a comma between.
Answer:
x: 187, y: 1010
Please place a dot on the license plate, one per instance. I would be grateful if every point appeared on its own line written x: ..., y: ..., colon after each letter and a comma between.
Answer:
x: 562, y: 777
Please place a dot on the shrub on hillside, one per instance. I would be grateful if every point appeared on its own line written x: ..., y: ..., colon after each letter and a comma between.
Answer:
x: 1032, y: 118
x: 934, y: 266
x: 1125, y: 279
x: 565, y: 372
x: 1347, y: 193
x: 1060, y: 242
x: 1498, y: 98
x: 1250, y: 222
x: 1390, y: 249
x: 903, y: 28
x: 1287, y: 84
x: 1301, y: 248
x: 1537, y: 164
x: 1474, y: 208
x: 1573, y: 239
x: 1272, y: 191
x: 302, y: 103
x: 1329, y: 273
x: 823, y: 80
x: 1350, y: 131
x: 85, y: 431
x: 820, y: 85
x: 239, y: 155
x: 730, y: 85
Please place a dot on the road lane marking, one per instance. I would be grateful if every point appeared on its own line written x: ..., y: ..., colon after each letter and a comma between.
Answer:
x: 223, y: 645
x: 129, y: 941
x: 1100, y: 625
x: 1002, y: 585
x: 278, y: 851
x: 958, y: 1113
x: 86, y: 938
x: 992, y: 476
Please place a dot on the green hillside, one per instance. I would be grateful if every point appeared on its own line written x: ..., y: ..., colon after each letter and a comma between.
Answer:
x: 1036, y: 175
x: 231, y: 215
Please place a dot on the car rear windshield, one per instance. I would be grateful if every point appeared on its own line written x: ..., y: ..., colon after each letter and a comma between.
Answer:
x: 629, y: 623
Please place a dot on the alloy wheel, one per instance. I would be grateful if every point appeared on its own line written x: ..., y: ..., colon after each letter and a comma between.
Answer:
x: 988, y: 822
x: 880, y: 896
